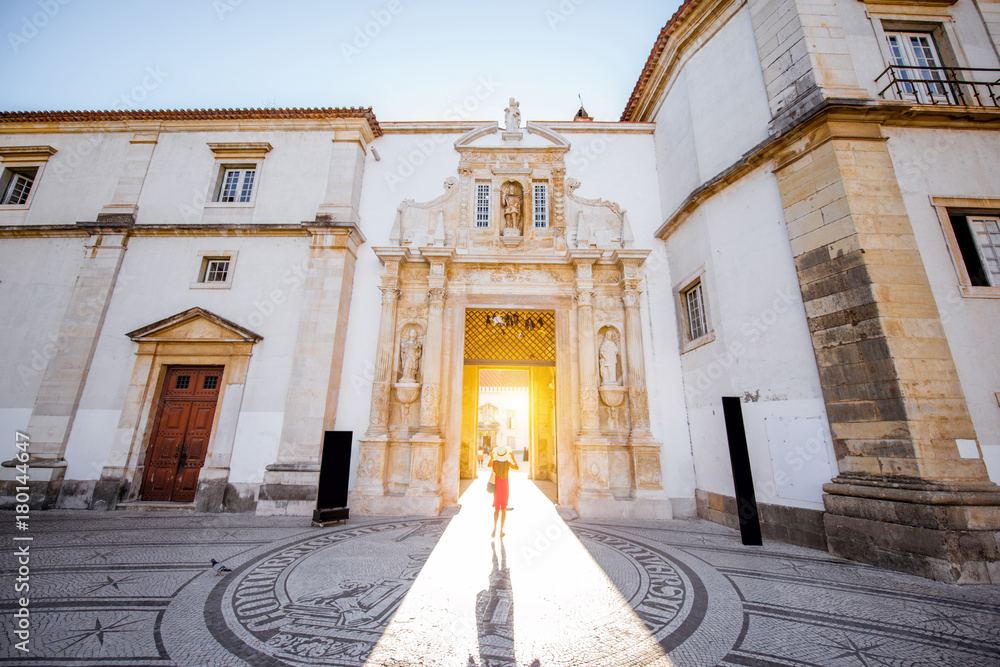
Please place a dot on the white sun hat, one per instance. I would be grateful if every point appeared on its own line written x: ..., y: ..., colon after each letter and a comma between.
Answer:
x: 502, y: 453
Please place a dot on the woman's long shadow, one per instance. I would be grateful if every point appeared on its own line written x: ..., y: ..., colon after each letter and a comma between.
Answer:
x: 495, y: 616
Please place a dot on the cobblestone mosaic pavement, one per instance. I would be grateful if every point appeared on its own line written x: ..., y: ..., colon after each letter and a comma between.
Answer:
x: 135, y: 588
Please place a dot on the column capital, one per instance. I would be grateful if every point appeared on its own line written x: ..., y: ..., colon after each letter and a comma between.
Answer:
x: 630, y: 297
x: 436, y: 295
x: 389, y: 294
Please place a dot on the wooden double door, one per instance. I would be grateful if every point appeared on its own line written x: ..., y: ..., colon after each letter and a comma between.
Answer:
x: 181, y: 433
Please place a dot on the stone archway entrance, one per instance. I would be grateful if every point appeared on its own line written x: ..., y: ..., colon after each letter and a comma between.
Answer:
x: 471, y: 282
x: 510, y: 370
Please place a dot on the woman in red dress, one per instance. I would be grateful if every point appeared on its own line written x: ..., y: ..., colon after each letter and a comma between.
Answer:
x: 501, y: 460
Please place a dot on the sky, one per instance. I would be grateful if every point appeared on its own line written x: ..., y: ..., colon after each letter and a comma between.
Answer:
x: 414, y: 60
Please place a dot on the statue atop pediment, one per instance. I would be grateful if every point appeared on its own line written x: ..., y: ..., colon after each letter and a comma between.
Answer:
x: 512, y: 119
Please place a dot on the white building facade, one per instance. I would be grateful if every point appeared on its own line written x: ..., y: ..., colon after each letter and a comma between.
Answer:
x: 799, y: 208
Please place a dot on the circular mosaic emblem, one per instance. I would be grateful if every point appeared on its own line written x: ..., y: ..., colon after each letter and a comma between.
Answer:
x: 316, y: 602
x: 666, y: 594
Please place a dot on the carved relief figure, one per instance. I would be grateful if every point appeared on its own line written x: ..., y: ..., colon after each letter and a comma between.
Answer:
x: 512, y: 120
x: 511, y: 198
x: 409, y: 352
x: 609, y: 359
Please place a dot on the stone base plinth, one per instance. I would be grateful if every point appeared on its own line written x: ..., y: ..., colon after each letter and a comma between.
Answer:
x: 394, y: 505
x: 289, y: 489
x: 658, y: 509
x: 949, y: 534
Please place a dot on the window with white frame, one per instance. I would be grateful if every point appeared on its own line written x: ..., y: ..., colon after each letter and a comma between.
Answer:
x: 236, y: 184
x: 694, y: 306
x: 541, y: 204
x: 971, y: 227
x: 978, y: 240
x: 918, y: 67
x: 482, y: 204
x: 215, y: 269
x: 986, y: 232
x: 15, y: 184
x: 238, y: 167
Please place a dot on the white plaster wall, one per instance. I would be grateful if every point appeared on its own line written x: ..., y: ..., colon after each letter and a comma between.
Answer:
x: 412, y: 166
x: 762, y: 350
x: 155, y: 283
x: 36, y: 280
x: 256, y: 446
x: 89, y: 442
x: 716, y: 110
x: 952, y: 163
x: 290, y: 184
x: 75, y: 182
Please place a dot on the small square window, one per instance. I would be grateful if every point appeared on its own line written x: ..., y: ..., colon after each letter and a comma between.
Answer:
x: 183, y: 382
x: 482, y: 204
x: 236, y: 185
x: 216, y: 270
x: 211, y: 382
x: 541, y: 205
x: 15, y: 184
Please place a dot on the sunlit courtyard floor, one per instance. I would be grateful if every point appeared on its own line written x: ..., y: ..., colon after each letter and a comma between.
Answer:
x: 117, y: 589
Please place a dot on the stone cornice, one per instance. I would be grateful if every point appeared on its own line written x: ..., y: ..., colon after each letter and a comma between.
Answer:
x: 89, y: 229
x: 243, y: 150
x: 855, y: 118
x: 26, y: 153
x: 170, y: 118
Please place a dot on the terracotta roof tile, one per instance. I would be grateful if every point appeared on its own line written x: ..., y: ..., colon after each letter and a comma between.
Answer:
x: 654, y: 55
x: 190, y: 114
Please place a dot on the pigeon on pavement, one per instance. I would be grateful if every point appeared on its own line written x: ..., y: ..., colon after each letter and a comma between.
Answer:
x: 219, y: 568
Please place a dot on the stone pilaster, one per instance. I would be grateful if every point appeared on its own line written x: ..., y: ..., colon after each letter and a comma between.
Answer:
x: 645, y: 450
x: 310, y: 405
x: 347, y: 169
x: 65, y: 375
x: 431, y: 367
x: 124, y: 205
x: 905, y: 499
x: 584, y: 263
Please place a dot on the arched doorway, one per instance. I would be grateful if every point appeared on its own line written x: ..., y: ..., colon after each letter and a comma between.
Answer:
x: 508, y: 388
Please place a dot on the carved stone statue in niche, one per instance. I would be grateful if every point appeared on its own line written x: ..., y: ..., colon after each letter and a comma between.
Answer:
x: 512, y: 120
x: 511, y: 197
x: 609, y: 359
x: 409, y: 352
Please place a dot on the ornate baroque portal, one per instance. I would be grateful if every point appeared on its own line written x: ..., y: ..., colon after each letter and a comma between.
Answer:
x: 509, y: 235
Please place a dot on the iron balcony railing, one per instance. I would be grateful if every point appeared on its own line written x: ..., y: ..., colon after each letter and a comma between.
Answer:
x: 961, y: 86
